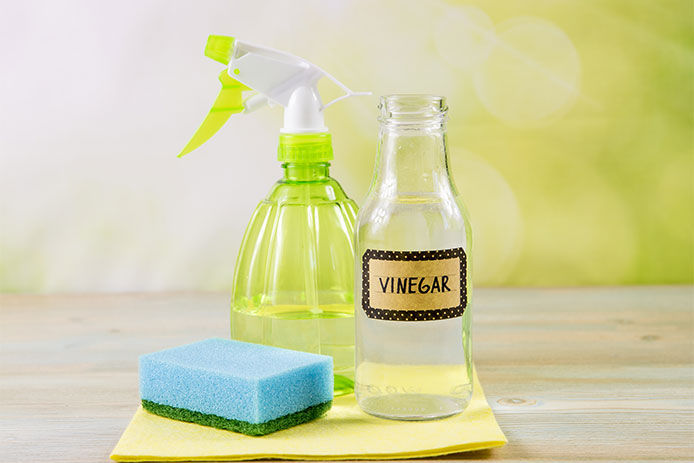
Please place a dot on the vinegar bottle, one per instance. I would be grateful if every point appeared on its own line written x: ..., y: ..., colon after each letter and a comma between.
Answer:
x: 412, y: 301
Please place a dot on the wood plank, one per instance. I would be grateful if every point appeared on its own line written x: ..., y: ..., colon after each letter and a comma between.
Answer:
x: 572, y: 374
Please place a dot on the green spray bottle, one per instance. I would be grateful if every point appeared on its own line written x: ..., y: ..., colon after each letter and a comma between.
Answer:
x: 294, y: 274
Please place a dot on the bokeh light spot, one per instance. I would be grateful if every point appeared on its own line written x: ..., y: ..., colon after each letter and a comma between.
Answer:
x: 531, y: 72
x: 463, y: 35
x: 497, y: 225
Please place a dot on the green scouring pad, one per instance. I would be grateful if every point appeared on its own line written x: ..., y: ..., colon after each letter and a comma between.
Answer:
x: 252, y: 429
x: 237, y: 386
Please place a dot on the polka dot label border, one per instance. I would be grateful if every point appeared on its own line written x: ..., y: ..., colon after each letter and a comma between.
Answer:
x: 413, y: 315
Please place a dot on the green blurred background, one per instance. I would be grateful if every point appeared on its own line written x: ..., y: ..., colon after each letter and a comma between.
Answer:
x: 571, y: 134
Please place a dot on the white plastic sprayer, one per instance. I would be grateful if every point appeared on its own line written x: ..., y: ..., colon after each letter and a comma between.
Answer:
x: 275, y: 77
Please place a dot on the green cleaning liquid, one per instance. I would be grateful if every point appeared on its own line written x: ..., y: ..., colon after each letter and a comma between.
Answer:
x: 295, y: 270
x: 328, y: 332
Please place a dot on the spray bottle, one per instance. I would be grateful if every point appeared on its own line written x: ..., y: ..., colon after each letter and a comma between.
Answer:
x: 293, y: 280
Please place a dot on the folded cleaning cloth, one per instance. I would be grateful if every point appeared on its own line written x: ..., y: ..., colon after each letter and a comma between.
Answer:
x: 345, y: 432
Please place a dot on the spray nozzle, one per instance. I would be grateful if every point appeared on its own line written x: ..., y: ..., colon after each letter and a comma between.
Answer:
x: 276, y: 77
x: 219, y: 48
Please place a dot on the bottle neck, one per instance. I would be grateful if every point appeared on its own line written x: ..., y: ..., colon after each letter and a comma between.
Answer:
x: 412, y: 161
x: 306, y: 172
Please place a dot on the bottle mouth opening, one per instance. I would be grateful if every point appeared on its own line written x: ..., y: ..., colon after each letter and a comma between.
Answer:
x: 412, y: 109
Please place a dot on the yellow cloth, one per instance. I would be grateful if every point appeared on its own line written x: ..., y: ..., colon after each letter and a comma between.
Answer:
x: 345, y: 432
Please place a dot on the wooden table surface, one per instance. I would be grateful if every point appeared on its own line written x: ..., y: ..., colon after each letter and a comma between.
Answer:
x: 572, y: 374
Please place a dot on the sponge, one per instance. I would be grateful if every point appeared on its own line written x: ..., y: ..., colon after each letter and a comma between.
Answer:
x: 243, y: 387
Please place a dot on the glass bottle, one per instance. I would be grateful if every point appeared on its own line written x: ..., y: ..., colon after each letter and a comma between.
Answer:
x: 412, y: 298
x: 293, y: 281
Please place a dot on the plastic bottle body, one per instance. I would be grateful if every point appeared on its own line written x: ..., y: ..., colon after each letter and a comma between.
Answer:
x: 413, y: 357
x: 294, y: 272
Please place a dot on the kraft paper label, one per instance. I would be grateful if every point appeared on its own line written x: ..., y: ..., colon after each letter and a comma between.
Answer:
x: 414, y: 285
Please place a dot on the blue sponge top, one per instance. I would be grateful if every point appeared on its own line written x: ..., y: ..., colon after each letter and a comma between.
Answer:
x: 236, y: 380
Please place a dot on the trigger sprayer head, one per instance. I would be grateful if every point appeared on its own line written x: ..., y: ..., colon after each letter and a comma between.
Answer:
x: 276, y: 77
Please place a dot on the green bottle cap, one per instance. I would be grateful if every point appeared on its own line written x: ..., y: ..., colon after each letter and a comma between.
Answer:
x: 305, y: 147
